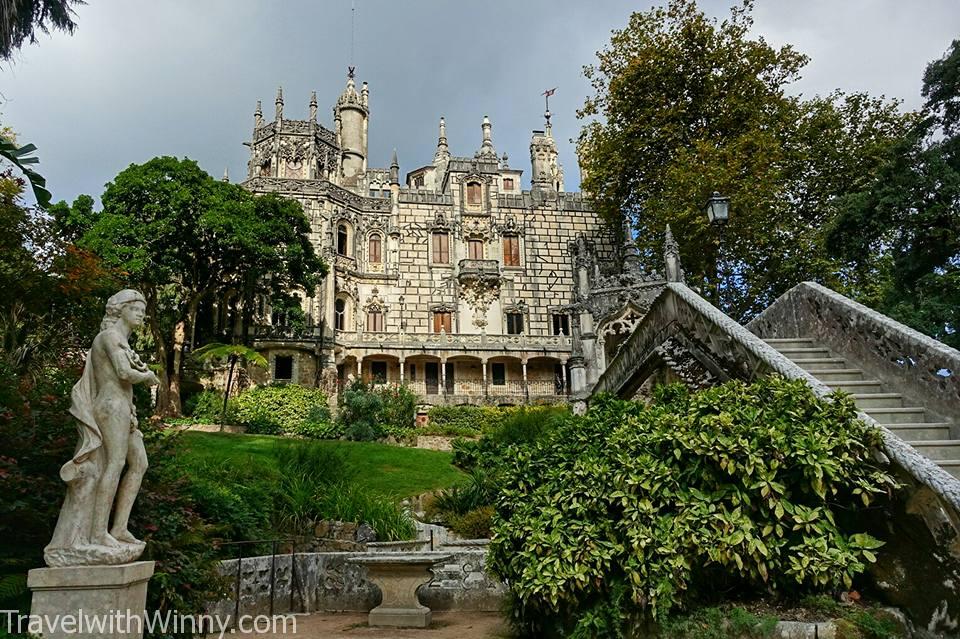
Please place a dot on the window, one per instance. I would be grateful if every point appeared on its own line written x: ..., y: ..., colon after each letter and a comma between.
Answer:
x: 418, y: 182
x: 283, y: 367
x: 413, y: 372
x: 441, y: 248
x: 511, y: 250
x: 514, y: 323
x: 473, y: 193
x: 375, y: 321
x: 340, y: 314
x: 507, y: 184
x: 342, y: 239
x: 378, y: 371
x: 499, y: 371
x: 442, y: 320
x: 374, y: 252
x: 476, y: 249
x: 561, y: 324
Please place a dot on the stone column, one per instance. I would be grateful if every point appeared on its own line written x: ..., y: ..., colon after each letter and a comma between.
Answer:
x: 563, y: 375
x: 360, y: 367
x: 484, y: 366
x: 526, y: 387
x: 443, y: 376
x: 401, y: 371
x: 588, y: 341
x: 578, y: 376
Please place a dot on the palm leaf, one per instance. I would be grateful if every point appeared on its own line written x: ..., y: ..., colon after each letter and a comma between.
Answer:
x: 21, y: 157
x: 216, y: 350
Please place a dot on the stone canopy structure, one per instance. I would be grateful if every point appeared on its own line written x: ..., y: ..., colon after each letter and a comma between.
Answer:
x: 456, y: 280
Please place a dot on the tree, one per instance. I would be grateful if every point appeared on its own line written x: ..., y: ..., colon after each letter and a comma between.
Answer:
x: 183, y: 238
x: 21, y: 19
x: 233, y: 353
x: 688, y: 106
x: 903, y: 226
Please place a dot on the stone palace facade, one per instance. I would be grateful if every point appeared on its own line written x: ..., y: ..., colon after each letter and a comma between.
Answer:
x: 455, y: 281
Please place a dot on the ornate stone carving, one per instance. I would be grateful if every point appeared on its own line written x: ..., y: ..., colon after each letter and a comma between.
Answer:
x: 102, y: 402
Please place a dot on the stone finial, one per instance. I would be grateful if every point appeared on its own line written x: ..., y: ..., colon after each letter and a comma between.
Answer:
x: 671, y: 257
x: 394, y: 169
x: 313, y: 106
x: 504, y: 161
x: 365, y: 94
x: 279, y: 103
x: 631, y: 254
x: 258, y: 115
x: 443, y: 151
x: 226, y: 175
x: 486, y: 149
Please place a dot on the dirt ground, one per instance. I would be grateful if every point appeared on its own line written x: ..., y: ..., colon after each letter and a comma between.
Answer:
x: 446, y: 625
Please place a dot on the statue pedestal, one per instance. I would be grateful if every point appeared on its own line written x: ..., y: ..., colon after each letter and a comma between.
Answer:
x: 108, y: 601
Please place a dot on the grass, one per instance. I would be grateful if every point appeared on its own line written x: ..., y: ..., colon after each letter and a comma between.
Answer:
x: 390, y: 471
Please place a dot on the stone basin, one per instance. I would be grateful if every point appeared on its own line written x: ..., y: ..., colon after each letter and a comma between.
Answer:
x: 398, y: 575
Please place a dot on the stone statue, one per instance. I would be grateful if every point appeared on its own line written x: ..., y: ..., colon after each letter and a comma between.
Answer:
x: 102, y: 402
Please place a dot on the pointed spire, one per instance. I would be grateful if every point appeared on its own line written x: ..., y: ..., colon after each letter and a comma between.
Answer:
x: 486, y: 149
x: 394, y: 169
x: 313, y: 106
x: 226, y: 175
x: 443, y: 151
x: 631, y: 254
x: 279, y: 103
x: 671, y: 257
x: 258, y: 116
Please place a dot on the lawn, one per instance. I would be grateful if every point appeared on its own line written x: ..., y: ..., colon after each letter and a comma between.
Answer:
x: 386, y: 470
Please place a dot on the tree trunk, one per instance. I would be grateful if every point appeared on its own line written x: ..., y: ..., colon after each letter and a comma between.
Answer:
x: 160, y: 348
x: 226, y: 395
x: 180, y: 331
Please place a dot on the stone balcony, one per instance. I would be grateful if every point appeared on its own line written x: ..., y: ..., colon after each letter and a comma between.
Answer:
x: 455, y: 342
x: 478, y: 272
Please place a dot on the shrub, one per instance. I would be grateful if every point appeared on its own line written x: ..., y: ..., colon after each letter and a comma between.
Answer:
x: 277, y: 408
x: 719, y: 623
x: 474, y: 524
x: 206, y: 406
x: 368, y: 413
x: 347, y: 502
x: 739, y: 484
x: 318, y: 425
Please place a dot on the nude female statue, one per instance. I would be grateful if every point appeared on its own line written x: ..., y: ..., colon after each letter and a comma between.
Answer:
x: 102, y: 402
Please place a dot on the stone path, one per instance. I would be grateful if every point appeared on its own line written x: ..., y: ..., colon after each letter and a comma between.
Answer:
x: 446, y: 625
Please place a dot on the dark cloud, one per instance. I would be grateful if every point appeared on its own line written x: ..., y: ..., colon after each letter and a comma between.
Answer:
x: 180, y: 77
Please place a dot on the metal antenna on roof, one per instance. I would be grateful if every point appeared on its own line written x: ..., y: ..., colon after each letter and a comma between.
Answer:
x: 353, y: 14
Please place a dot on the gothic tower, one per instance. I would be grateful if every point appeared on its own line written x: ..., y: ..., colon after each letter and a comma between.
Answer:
x: 351, y: 116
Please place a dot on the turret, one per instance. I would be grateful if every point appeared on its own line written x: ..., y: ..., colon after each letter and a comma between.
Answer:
x: 547, y: 172
x: 313, y: 106
x: 486, y: 148
x: 351, y: 115
x: 258, y: 116
x: 394, y: 177
x: 279, y: 103
x: 443, y: 151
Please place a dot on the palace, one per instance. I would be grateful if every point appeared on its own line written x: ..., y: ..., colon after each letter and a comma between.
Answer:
x: 455, y: 281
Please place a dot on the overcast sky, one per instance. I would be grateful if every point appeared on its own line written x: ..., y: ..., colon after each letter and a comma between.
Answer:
x: 181, y: 77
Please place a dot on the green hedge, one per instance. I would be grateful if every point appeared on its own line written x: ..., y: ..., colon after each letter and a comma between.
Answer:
x: 619, y: 516
x: 279, y: 408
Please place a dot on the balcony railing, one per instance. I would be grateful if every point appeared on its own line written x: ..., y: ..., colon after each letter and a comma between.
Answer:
x: 473, y: 388
x: 446, y: 340
x: 269, y: 331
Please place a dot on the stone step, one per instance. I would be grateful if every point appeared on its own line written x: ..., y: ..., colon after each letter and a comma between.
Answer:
x: 821, y: 363
x: 952, y: 466
x: 938, y: 449
x: 921, y: 432
x: 887, y: 416
x: 826, y: 375
x: 787, y: 342
x: 854, y: 386
x: 801, y: 352
x: 878, y: 400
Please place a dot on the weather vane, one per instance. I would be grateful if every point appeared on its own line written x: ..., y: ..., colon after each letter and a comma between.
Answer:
x: 350, y: 71
x: 546, y: 99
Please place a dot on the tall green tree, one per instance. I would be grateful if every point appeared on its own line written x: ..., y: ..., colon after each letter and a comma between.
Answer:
x: 183, y: 238
x: 684, y: 105
x: 903, y: 227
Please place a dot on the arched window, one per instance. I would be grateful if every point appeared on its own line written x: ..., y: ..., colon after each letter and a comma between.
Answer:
x: 374, y: 252
x: 473, y: 193
x: 342, y: 239
x: 340, y: 314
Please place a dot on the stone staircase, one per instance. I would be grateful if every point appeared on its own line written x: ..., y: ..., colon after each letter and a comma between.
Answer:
x: 924, y: 431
